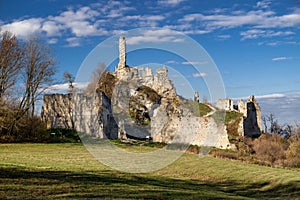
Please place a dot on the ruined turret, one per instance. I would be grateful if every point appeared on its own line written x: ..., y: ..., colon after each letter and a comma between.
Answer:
x: 122, y: 53
x: 251, y: 99
x: 225, y: 104
x: 253, y: 122
x: 196, y: 96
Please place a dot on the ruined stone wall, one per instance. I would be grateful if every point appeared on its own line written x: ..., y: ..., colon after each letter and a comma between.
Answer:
x: 188, y: 129
x: 57, y: 111
x: 253, y: 121
x: 144, y: 76
x: 225, y: 104
x: 91, y: 115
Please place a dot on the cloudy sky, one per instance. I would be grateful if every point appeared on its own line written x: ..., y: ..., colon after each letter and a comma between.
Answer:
x: 254, y: 44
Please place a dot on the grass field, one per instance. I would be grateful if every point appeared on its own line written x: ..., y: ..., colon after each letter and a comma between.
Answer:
x: 66, y: 171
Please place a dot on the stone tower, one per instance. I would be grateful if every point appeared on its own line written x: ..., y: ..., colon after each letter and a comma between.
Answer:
x: 196, y: 96
x: 253, y: 122
x: 122, y: 53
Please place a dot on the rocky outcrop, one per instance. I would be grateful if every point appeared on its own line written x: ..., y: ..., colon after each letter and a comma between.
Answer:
x: 153, y: 104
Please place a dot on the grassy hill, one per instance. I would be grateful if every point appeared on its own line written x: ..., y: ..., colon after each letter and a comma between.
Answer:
x: 60, y: 171
x: 198, y: 109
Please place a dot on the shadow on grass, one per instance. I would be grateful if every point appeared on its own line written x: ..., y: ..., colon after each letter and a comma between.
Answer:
x: 24, y: 184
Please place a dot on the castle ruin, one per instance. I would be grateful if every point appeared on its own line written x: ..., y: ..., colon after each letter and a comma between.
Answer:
x: 135, y: 97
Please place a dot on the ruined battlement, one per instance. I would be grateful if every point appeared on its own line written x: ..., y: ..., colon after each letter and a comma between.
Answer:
x: 144, y: 75
x: 252, y: 122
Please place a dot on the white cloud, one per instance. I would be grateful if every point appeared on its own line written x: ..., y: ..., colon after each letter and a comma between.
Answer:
x: 80, y: 21
x: 143, y: 20
x: 153, y: 17
x: 256, y: 18
x: 224, y: 37
x: 187, y: 28
x: 263, y: 4
x: 170, y: 2
x: 170, y: 62
x: 268, y: 96
x: 196, y: 32
x: 280, y: 58
x: 197, y: 75
x: 24, y: 28
x: 217, y: 10
x: 73, y: 42
x: 285, y: 107
x: 114, y: 14
x: 258, y: 33
x: 193, y: 63
x: 289, y: 20
x: 52, y: 41
x: 57, y: 88
x: 231, y: 21
x: 51, y: 28
x: 100, y: 19
x: 155, y: 36
x: 63, y: 88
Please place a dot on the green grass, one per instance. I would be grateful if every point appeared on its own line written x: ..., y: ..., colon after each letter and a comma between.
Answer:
x: 232, y: 116
x: 198, y: 109
x: 204, y: 109
x: 66, y: 171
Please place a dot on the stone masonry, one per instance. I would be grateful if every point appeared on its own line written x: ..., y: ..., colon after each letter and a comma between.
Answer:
x: 122, y: 53
x: 251, y: 122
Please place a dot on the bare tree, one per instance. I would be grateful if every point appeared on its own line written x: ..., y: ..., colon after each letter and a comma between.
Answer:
x: 70, y: 79
x: 288, y: 130
x: 38, y: 70
x: 264, y: 119
x: 32, y: 67
x: 273, y: 123
x: 97, y: 73
x: 10, y: 62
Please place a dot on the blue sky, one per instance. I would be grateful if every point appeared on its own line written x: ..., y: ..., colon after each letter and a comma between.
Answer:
x: 254, y: 44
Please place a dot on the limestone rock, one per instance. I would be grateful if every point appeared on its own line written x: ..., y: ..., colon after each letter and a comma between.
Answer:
x: 242, y: 107
x: 107, y: 83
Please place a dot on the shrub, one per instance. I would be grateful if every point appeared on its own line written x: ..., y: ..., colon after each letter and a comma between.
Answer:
x: 225, y: 154
x: 193, y: 149
x: 62, y: 135
x: 270, y: 149
x: 26, y: 129
x: 293, y: 154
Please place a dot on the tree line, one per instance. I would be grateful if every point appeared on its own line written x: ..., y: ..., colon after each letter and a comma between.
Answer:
x: 27, y: 67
